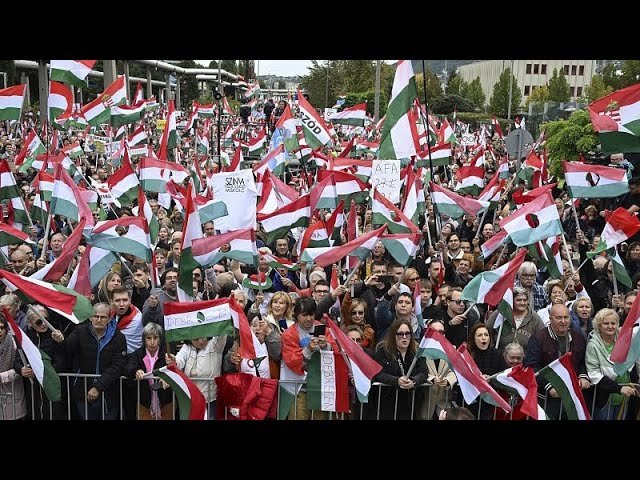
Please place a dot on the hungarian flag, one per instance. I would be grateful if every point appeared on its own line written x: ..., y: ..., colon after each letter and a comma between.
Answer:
x: 191, y: 402
x: 520, y: 198
x: 52, y: 272
x: 37, y: 359
x: 278, y: 223
x: 521, y: 381
x: 440, y: 156
x: 402, y: 247
x: 274, y: 161
x: 274, y: 193
x: 136, y: 241
x: 383, y: 211
x: 538, y: 220
x: 66, y: 198
x: 496, y: 126
x: 139, y: 136
x: 60, y: 299
x: 355, y: 115
x: 257, y: 144
x: 144, y: 210
x: 471, y: 180
x: 155, y: 173
x: 313, y: 126
x: 13, y: 236
x: 619, y: 269
x: 11, y: 100
x: 289, y: 387
x: 361, y: 247
x: 32, y: 147
x: 487, y: 393
x: 399, y: 132
x: 72, y: 72
x: 434, y: 345
x: 621, y: 225
x: 94, y: 264
x: 287, y: 125
x: 8, y: 186
x: 491, y: 245
x: 60, y: 100
x: 324, y: 194
x: 124, y: 114
x: 562, y: 377
x: 531, y: 170
x: 188, y: 320
x: 191, y: 231
x: 362, y: 366
x: 250, y: 346
x: 627, y: 347
x: 279, y: 262
x: 594, y: 181
x: 124, y: 183
x: 327, y: 382
x: 348, y: 186
x: 99, y: 110
x: 454, y: 205
x: 616, y: 118
x: 206, y: 250
x: 209, y: 209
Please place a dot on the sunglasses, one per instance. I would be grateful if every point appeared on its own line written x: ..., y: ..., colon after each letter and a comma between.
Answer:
x: 457, y: 302
x: 39, y: 322
x: 357, y: 312
x: 403, y: 334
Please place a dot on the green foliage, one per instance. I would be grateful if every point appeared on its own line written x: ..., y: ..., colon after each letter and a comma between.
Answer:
x: 473, y: 92
x: 246, y: 68
x: 206, y: 98
x: 610, y: 78
x: 368, y: 97
x: 559, y: 90
x: 456, y: 85
x: 567, y: 139
x: 213, y: 64
x: 229, y: 65
x: 189, y: 90
x: 499, y: 102
x: 596, y: 90
x: 630, y: 73
x: 447, y: 103
x: 434, y: 88
x: 538, y: 97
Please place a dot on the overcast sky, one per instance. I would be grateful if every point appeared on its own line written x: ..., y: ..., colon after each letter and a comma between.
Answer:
x: 282, y: 68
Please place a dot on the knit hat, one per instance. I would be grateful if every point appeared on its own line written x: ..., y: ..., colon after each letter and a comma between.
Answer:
x: 252, y: 282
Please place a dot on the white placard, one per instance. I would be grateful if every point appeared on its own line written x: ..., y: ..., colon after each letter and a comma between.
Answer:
x: 329, y: 112
x: 385, y: 177
x: 238, y: 191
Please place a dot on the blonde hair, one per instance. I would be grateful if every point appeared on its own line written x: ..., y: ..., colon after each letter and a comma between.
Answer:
x: 288, y: 314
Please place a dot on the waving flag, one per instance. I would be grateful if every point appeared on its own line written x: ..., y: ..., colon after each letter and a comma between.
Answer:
x: 621, y: 225
x: 136, y: 241
x: 595, y: 181
x: 521, y: 381
x: 60, y: 100
x: 191, y: 402
x: 188, y: 320
x: 616, y: 118
x: 99, y: 110
x: 52, y: 272
x: 360, y: 247
x: 454, y: 205
x: 73, y: 72
x: 355, y: 115
x: 32, y: 147
x: 538, y: 220
x: 206, y: 250
x: 562, y: 377
x: 313, y: 126
x: 627, y: 347
x: 11, y: 100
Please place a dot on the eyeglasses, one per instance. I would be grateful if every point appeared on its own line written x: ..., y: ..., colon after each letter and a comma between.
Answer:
x: 414, y: 279
x: 39, y: 322
x: 357, y: 312
x: 323, y: 292
x: 457, y: 302
x: 403, y: 334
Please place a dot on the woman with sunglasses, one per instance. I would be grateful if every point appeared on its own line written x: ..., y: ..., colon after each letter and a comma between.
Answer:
x: 395, y: 353
x: 50, y: 342
x: 354, y: 312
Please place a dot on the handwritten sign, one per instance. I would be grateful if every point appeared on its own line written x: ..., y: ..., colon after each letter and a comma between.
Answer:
x: 385, y: 177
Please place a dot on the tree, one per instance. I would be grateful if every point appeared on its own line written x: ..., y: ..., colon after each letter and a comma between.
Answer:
x: 499, y: 102
x: 447, y: 103
x: 315, y: 82
x: 538, y: 97
x: 630, y: 73
x: 567, y: 139
x: 213, y: 64
x: 611, y: 78
x: 473, y: 92
x: 246, y: 68
x: 456, y: 85
x: 559, y: 90
x: 434, y: 88
x: 358, y: 75
x: 596, y: 90
x: 189, y: 90
x: 229, y: 65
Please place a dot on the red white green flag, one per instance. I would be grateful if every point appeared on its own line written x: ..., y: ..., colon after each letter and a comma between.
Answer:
x: 313, y: 126
x: 136, y: 241
x: 278, y: 223
x: 521, y: 381
x: 11, y: 100
x: 537, y: 220
x: 616, y: 118
x: 562, y: 377
x: 37, y: 359
x: 66, y: 198
x: 621, y: 225
x: 52, y: 272
x: 206, y: 251
x: 355, y: 115
x: 60, y: 101
x: 191, y: 231
x: 402, y: 247
x: 72, y: 72
x: 99, y: 110
x: 627, y: 347
x: 594, y: 181
x: 13, y: 236
x: 327, y: 382
x: 191, y: 402
x: 32, y: 147
x: 188, y: 320
x: 454, y: 205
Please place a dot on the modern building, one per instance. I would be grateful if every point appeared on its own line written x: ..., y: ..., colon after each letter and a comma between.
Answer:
x: 530, y: 74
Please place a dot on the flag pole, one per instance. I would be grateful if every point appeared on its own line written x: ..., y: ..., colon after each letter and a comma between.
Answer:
x: 566, y: 249
x: 469, y: 309
x: 353, y: 271
x: 45, y: 239
x: 41, y: 317
x: 480, y: 223
x: 500, y: 329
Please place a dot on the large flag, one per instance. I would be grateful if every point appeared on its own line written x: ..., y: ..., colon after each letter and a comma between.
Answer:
x: 124, y: 114
x: 66, y: 198
x: 206, y: 250
x: 454, y: 205
x: 155, y: 173
x: 60, y: 299
x: 72, y: 72
x: 327, y: 382
x: 313, y: 126
x: 627, y: 347
x: 52, y: 272
x: 383, y: 211
x: 136, y: 241
x: 32, y: 147
x: 562, y: 377
x: 60, y: 100
x: 521, y: 381
x: 99, y: 110
x: 594, y: 181
x: 287, y: 125
x: 11, y: 100
x: 538, y: 220
x: 355, y: 115
x: 191, y: 402
x: 188, y: 320
x: 191, y: 231
x: 621, y: 225
x: 403, y: 246
x: 37, y: 359
x: 363, y: 367
x: 278, y: 223
x: 399, y: 132
x: 434, y: 345
x: 616, y: 118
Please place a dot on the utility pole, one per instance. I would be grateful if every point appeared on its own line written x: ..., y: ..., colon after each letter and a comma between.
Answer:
x: 326, y: 92
x: 376, y: 107
x: 510, y: 92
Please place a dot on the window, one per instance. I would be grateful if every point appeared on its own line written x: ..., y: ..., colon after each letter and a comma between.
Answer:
x: 574, y: 69
x: 573, y: 91
x: 536, y: 69
x: 528, y: 69
x: 544, y: 69
x: 527, y: 89
x: 581, y: 70
x: 566, y: 69
x: 579, y: 91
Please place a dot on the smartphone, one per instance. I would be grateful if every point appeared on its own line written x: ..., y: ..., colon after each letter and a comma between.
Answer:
x: 319, y: 330
x: 385, y: 278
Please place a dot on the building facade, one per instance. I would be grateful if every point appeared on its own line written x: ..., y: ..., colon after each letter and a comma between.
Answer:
x: 530, y: 74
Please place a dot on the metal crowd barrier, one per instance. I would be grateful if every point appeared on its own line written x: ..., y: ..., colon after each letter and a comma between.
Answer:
x: 66, y: 410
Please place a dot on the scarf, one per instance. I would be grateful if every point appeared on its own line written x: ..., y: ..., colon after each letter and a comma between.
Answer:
x: 149, y: 362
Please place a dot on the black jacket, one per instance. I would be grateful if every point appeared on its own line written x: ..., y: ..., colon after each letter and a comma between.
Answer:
x: 135, y: 362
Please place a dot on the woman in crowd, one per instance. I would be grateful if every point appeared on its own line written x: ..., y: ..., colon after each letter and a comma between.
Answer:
x: 582, y: 315
x: 355, y: 313
x: 279, y: 311
x: 12, y: 399
x: 110, y: 281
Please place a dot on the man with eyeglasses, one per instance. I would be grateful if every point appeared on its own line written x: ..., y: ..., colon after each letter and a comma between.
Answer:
x: 527, y: 279
x: 457, y: 324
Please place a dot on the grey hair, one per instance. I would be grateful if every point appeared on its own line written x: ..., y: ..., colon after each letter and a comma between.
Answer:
x: 513, y: 346
x: 152, y: 330
x: 102, y: 305
x: 31, y: 314
x: 527, y: 267
x: 10, y: 299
